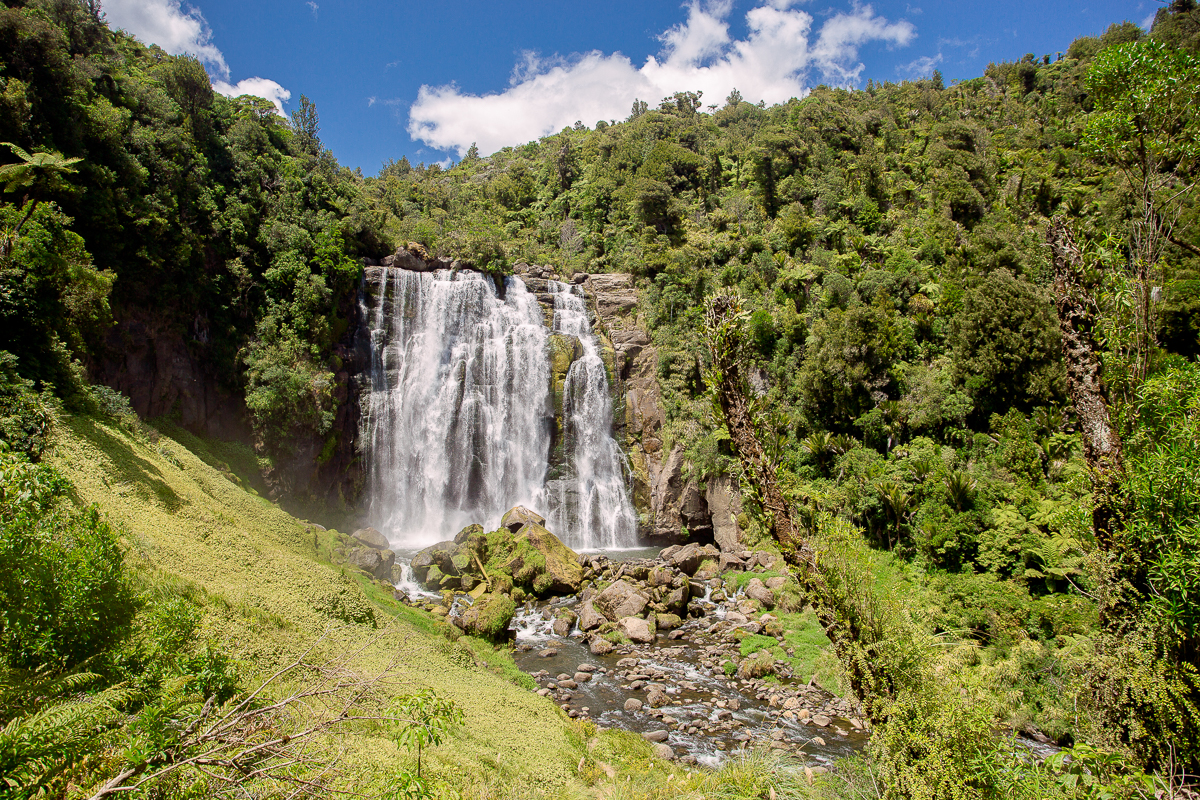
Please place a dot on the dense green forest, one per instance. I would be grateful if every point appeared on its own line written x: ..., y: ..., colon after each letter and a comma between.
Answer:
x: 899, y: 334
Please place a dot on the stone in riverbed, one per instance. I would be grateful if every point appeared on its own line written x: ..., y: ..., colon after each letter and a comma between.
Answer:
x: 423, y: 561
x: 637, y: 629
x: 599, y: 646
x: 656, y: 697
x: 549, y: 652
x: 619, y: 600
x: 633, y: 704
x: 667, y: 622
x: 581, y: 677
x: 489, y: 616
x: 589, y: 617
x: 544, y: 562
x: 755, y: 590
x: 656, y: 736
x: 466, y: 532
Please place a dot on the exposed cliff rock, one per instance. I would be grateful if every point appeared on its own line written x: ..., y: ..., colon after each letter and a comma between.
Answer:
x: 666, y: 502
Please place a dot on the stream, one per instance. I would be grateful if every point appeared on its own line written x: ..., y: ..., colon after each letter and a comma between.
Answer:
x: 702, y: 714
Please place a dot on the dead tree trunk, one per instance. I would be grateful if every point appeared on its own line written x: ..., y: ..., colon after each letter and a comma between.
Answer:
x: 1077, y: 324
x: 723, y: 322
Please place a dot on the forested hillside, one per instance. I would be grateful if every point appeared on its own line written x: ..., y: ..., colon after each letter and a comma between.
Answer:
x: 899, y: 304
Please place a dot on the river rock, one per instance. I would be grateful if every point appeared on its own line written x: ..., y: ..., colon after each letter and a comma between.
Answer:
x: 423, y: 560
x: 656, y: 736
x: 518, y: 516
x: 676, y: 600
x: 637, y: 629
x: 559, y: 571
x: 821, y: 721
x: 411, y: 258
x: 664, y: 752
x: 489, y: 616
x: 633, y: 704
x: 373, y: 562
x: 688, y: 558
x: 756, y: 590
x: 599, y: 646
x: 728, y: 562
x: 589, y: 617
x: 581, y: 677
x: 619, y: 600
x: 656, y: 697
x: 667, y: 622
x: 756, y: 666
x: 372, y: 538
x: 586, y: 668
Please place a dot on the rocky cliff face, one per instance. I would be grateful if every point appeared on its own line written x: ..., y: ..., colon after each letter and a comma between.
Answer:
x: 666, y: 501
x: 162, y: 368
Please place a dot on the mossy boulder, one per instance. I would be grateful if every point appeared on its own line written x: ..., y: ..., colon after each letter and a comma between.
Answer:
x: 466, y: 533
x: 425, y: 559
x: 542, y: 562
x: 489, y: 616
x: 518, y: 517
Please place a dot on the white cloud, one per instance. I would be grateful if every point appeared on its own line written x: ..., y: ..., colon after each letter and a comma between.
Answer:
x: 772, y: 63
x: 258, y: 87
x: 922, y: 67
x: 1148, y: 22
x: 166, y: 24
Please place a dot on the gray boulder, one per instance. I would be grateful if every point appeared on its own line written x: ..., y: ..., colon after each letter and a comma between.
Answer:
x: 589, y: 617
x: 423, y: 560
x: 756, y: 590
x: 637, y: 629
x: 372, y: 538
x: 620, y: 599
x: 518, y: 516
x: 377, y: 564
x: 689, y: 557
x: 406, y: 259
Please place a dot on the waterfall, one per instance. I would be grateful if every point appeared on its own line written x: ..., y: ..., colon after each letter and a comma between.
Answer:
x: 592, y: 501
x: 458, y: 420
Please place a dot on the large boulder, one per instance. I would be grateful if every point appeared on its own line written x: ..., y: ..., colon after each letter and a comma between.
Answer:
x: 466, y: 533
x: 489, y: 616
x: 725, y: 505
x: 411, y: 258
x: 518, y: 516
x: 637, y: 629
x: 619, y: 600
x: 378, y: 564
x: 372, y: 538
x: 543, y: 562
x: 757, y: 590
x: 423, y: 560
x: 589, y: 617
x: 689, y: 557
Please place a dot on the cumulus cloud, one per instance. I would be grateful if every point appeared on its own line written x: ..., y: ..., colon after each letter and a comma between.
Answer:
x: 167, y: 24
x: 259, y: 87
x: 922, y: 67
x: 177, y: 30
x: 774, y: 62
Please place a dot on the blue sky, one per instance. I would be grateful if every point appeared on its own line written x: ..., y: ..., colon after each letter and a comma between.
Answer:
x: 503, y: 73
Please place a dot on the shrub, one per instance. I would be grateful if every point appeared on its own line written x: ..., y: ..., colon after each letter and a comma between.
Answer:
x: 64, y: 591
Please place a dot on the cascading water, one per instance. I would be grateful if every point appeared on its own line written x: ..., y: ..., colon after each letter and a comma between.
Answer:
x: 592, y: 501
x: 458, y: 420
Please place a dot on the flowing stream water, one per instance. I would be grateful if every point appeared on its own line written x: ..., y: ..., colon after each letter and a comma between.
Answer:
x: 459, y: 419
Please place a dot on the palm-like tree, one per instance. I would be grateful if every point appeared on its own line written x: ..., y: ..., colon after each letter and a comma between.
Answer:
x: 818, y: 447
x: 35, y: 173
x: 961, y: 488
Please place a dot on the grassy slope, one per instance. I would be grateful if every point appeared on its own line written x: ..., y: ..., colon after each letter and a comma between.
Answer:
x: 263, y: 590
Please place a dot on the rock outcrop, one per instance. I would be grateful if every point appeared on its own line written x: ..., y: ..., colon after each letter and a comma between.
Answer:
x: 667, y: 503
